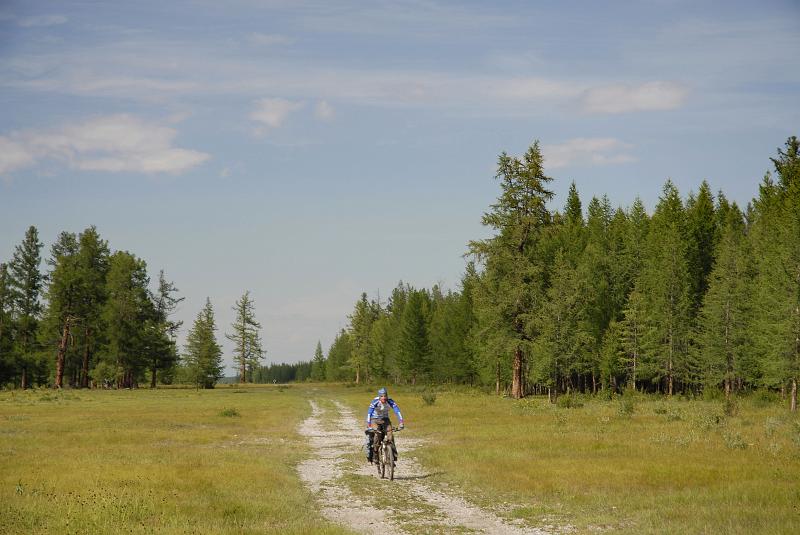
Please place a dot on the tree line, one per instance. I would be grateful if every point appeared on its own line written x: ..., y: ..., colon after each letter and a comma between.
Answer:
x: 92, y: 319
x: 698, y: 294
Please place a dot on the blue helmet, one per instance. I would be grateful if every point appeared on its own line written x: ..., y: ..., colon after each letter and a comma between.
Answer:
x: 382, y: 392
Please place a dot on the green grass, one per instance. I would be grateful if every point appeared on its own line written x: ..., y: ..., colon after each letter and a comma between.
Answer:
x: 142, y: 461
x: 650, y: 466
x: 223, y: 461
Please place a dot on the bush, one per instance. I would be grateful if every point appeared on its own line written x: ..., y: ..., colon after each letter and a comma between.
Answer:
x: 569, y: 402
x: 230, y: 413
x: 734, y: 441
x: 764, y: 398
x: 712, y: 393
x: 429, y: 397
x: 731, y: 407
x: 626, y: 407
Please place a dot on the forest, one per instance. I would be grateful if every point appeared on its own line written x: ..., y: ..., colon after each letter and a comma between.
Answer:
x: 699, y: 296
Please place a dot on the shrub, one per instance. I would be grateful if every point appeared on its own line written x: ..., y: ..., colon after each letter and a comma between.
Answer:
x: 428, y: 397
x: 626, y: 406
x: 569, y: 402
x: 712, y: 393
x: 230, y: 413
x: 764, y: 398
x: 731, y: 407
x: 734, y: 441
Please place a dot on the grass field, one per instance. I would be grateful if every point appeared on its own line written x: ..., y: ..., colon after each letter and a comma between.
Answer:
x: 222, y: 461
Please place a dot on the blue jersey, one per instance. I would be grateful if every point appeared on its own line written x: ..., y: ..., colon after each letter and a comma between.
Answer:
x: 379, y: 411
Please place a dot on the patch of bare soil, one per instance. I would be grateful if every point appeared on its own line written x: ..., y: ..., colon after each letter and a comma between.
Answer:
x: 337, y: 469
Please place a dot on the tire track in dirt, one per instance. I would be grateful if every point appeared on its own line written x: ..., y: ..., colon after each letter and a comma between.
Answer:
x: 415, y: 506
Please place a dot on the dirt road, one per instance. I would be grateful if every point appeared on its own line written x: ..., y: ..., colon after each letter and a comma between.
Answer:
x: 349, y: 492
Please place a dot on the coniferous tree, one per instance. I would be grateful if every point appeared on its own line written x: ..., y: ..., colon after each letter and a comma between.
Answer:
x: 512, y: 280
x: 245, y: 337
x: 415, y: 350
x: 776, y: 242
x: 25, y: 282
x: 203, y: 355
x: 318, y: 364
x: 703, y: 235
x: 724, y: 319
x: 364, y: 315
x: 665, y: 285
x: 6, y: 340
x: 337, y: 366
x: 92, y: 266
x: 128, y: 315
x: 63, y: 297
x: 163, y: 351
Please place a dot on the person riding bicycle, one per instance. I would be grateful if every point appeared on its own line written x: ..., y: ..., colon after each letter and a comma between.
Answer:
x: 378, y: 419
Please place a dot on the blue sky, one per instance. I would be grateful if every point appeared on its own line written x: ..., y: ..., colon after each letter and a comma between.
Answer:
x: 308, y: 151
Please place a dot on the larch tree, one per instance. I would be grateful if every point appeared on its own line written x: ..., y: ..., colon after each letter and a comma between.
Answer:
x: 247, y: 350
x: 512, y: 280
x: 724, y: 319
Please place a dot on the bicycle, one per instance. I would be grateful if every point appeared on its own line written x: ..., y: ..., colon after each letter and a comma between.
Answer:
x: 383, y: 451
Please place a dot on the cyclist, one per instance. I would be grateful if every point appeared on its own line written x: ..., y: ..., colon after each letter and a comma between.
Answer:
x: 378, y: 419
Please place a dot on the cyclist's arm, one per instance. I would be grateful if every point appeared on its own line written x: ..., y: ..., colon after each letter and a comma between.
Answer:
x: 369, y: 413
x: 396, y: 409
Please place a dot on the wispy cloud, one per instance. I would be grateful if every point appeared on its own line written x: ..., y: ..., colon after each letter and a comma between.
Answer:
x: 268, y: 39
x: 619, y: 98
x: 273, y: 112
x: 116, y: 143
x: 42, y: 21
x: 583, y: 151
x: 324, y: 111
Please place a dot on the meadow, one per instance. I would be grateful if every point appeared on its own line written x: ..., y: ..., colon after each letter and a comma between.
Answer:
x: 223, y: 460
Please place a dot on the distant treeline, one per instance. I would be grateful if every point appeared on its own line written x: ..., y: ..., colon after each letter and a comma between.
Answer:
x: 699, y: 294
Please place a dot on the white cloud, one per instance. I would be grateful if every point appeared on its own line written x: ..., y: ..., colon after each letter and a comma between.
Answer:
x: 324, y: 111
x: 584, y: 151
x: 274, y: 111
x: 42, y: 21
x: 268, y: 39
x: 116, y: 143
x: 13, y: 155
x: 621, y: 98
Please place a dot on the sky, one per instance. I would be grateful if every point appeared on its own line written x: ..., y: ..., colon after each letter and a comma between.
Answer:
x: 308, y: 151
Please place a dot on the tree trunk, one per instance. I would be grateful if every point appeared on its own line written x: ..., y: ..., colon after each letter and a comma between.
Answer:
x: 85, y: 365
x: 153, y: 378
x: 794, y: 395
x: 60, y: 355
x: 517, y: 388
x: 497, y: 378
x: 358, y: 375
x: 24, y: 380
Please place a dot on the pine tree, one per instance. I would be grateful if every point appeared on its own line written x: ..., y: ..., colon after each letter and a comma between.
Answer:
x: 318, y: 364
x: 25, y: 282
x: 245, y: 337
x: 512, y: 282
x: 632, y: 331
x: 128, y: 315
x: 63, y: 297
x: 203, y: 356
x: 92, y: 265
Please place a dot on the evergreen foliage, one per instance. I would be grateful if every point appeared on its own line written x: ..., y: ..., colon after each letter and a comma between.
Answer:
x: 203, y: 355
x: 247, y: 348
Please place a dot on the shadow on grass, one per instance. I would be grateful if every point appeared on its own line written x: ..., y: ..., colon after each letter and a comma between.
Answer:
x: 413, y: 478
